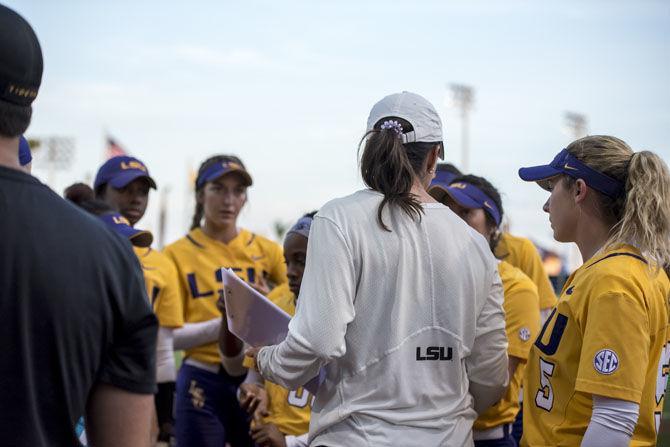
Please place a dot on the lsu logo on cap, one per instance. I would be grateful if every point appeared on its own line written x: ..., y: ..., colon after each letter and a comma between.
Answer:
x: 120, y: 220
x: 133, y: 165
x: 606, y: 361
x: 458, y: 185
x: 231, y: 165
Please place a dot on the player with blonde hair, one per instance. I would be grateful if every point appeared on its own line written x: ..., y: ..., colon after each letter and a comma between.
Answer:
x: 597, y: 372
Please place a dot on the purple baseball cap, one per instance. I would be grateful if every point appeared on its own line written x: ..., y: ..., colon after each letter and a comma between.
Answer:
x: 121, y: 170
x: 118, y: 223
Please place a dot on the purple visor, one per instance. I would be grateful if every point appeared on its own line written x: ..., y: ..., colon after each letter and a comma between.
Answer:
x: 442, y: 179
x: 219, y: 169
x: 469, y: 196
x: 119, y: 224
x: 568, y: 164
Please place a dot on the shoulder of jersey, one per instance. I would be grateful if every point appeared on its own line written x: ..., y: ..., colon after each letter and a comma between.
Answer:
x: 283, y: 297
x: 619, y: 268
x: 513, y: 277
x: 518, y: 243
x: 253, y: 238
x: 186, y: 242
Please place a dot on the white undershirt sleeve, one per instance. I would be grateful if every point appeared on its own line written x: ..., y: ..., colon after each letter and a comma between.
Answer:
x: 165, y: 369
x: 326, y: 306
x: 297, y: 441
x: 197, y: 334
x: 612, y: 423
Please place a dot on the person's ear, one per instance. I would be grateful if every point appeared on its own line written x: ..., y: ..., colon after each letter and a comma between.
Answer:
x: 433, y: 156
x: 580, y: 191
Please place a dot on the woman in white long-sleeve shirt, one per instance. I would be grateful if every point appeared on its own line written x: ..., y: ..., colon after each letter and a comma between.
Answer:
x: 412, y: 339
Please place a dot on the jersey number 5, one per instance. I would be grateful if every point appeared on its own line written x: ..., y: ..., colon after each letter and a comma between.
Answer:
x: 545, y: 395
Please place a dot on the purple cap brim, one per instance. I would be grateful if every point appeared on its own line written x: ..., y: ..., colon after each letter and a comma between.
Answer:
x: 463, y: 199
x: 121, y: 180
x: 537, y: 173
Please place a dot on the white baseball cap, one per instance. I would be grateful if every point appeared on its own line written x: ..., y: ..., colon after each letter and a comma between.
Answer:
x: 416, y: 110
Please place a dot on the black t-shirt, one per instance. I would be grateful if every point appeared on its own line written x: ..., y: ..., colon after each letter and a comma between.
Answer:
x: 73, y: 312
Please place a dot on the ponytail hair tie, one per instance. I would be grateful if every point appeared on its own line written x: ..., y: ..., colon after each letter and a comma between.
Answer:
x: 392, y: 124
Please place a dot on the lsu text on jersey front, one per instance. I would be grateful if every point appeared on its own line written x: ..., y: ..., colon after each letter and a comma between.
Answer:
x: 522, y: 254
x: 162, y: 284
x: 199, y: 260
x: 607, y: 336
x: 288, y: 410
x: 522, y: 324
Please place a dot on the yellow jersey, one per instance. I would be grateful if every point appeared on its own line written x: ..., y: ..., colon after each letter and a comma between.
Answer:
x: 162, y: 284
x: 199, y: 260
x: 607, y: 336
x: 522, y: 325
x: 522, y: 254
x: 289, y: 410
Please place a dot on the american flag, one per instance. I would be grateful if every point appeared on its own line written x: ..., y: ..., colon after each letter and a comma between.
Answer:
x: 113, y: 149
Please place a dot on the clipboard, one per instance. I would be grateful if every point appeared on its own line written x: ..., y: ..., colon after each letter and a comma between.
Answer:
x: 256, y: 320
x: 253, y: 318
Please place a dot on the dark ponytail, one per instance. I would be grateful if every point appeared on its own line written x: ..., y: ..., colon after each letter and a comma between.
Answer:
x: 199, y: 208
x: 390, y: 167
x: 84, y: 197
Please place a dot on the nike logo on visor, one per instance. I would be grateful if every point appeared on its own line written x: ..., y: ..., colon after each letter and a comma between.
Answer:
x: 567, y: 166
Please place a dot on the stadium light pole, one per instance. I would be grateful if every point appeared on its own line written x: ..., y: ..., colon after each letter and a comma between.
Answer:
x: 53, y: 153
x: 576, y: 124
x: 463, y: 97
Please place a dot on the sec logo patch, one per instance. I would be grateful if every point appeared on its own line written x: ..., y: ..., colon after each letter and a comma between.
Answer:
x: 524, y: 334
x: 606, y: 361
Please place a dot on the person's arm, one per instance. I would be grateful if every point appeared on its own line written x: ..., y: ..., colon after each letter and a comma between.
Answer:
x: 116, y: 417
x: 165, y: 369
x: 297, y: 441
x: 197, y: 334
x: 612, y: 423
x: 487, y: 363
x: 328, y: 288
x: 231, y: 347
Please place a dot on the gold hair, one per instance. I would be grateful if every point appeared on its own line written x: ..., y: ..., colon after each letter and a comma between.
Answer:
x: 642, y: 215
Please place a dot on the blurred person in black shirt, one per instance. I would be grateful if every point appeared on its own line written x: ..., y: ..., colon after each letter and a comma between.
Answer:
x: 78, y: 334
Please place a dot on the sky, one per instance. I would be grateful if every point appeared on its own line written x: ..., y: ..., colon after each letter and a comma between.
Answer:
x: 288, y: 86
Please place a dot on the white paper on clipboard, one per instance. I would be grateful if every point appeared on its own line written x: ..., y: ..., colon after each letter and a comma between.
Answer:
x: 254, y: 319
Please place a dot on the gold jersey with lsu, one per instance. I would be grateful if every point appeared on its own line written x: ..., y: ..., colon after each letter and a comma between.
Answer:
x: 162, y: 284
x: 522, y: 254
x: 199, y: 260
x: 522, y: 324
x: 288, y: 410
x: 607, y: 336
